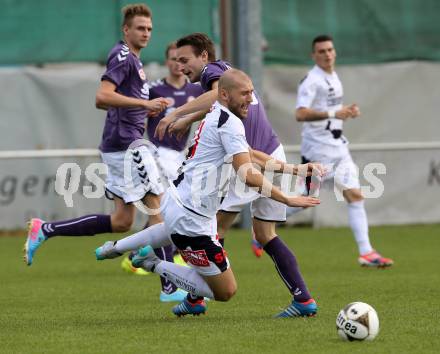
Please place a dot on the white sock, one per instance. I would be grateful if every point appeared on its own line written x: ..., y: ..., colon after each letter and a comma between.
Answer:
x: 359, y: 225
x: 185, y: 278
x: 156, y: 236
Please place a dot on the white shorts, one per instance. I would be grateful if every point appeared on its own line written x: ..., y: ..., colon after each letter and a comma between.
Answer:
x: 132, y: 174
x: 262, y: 208
x: 195, y: 237
x: 339, y: 165
x: 168, y: 162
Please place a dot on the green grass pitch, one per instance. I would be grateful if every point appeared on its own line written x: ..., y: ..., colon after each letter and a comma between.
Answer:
x: 67, y: 302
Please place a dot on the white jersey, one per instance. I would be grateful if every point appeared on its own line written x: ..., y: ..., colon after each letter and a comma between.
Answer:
x: 322, y: 92
x: 204, y: 177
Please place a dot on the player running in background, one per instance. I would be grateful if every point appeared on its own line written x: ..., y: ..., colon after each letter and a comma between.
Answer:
x: 190, y: 205
x: 124, y: 94
x: 319, y: 106
x: 196, y: 53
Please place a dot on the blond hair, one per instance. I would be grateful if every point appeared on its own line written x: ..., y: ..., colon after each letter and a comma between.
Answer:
x: 132, y: 10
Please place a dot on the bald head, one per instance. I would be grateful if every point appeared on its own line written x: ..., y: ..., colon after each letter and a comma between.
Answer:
x: 235, y: 91
x: 232, y: 78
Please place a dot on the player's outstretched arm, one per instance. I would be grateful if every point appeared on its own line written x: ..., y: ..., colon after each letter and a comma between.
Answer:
x: 106, y: 96
x: 253, y: 178
x: 267, y: 162
x: 201, y: 103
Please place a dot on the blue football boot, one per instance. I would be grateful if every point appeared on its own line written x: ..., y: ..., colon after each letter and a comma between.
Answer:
x: 299, y: 309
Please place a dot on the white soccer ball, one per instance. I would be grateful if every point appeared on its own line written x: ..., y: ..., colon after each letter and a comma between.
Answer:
x: 357, y: 321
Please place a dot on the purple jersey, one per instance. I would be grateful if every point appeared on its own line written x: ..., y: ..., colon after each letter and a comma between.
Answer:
x: 124, y: 125
x: 178, y: 97
x: 259, y: 133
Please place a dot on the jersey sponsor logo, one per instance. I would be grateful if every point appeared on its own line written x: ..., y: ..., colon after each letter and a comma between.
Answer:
x: 334, y: 101
x: 142, y: 74
x: 179, y: 93
x: 198, y: 258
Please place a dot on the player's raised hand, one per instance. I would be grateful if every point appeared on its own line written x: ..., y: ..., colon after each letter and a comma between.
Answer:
x: 162, y: 126
x: 302, y: 201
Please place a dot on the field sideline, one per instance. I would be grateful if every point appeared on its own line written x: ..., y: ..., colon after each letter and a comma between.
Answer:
x: 67, y: 302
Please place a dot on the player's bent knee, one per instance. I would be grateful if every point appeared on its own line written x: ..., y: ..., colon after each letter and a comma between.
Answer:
x: 263, y: 239
x: 226, y: 292
x: 264, y: 234
x: 121, y: 224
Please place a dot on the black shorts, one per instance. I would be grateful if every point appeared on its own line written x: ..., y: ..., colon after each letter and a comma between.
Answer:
x: 203, y: 253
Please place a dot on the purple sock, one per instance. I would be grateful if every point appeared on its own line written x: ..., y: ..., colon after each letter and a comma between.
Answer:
x: 287, y: 267
x: 88, y: 225
x: 166, y: 254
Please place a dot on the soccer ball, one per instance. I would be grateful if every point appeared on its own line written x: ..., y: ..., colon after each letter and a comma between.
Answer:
x: 357, y: 321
